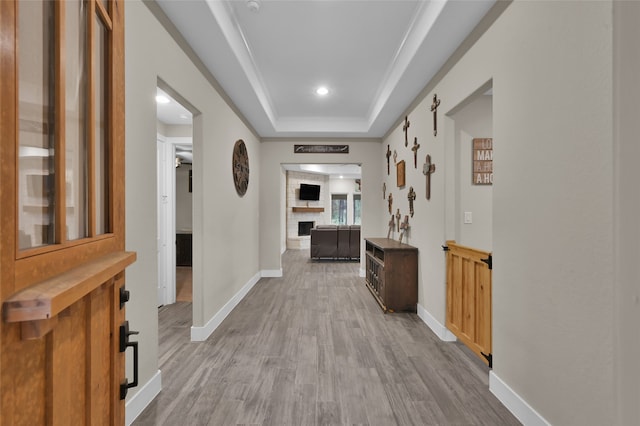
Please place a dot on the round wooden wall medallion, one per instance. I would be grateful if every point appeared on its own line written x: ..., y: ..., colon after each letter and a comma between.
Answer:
x: 240, y: 167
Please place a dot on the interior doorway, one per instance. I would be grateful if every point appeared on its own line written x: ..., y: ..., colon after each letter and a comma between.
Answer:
x: 469, y: 259
x: 331, y: 194
x: 175, y: 211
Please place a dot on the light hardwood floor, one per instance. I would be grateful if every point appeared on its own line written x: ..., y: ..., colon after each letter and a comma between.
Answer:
x: 314, y: 348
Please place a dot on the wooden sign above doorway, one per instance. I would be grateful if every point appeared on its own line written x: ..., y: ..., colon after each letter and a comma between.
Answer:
x: 482, y: 173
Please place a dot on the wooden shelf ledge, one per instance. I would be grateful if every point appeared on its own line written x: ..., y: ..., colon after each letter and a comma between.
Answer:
x: 308, y: 209
x: 41, y: 303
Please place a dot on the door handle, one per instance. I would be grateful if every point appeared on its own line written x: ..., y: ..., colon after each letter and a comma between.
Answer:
x: 124, y: 344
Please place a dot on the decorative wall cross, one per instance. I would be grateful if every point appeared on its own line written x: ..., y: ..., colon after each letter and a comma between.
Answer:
x: 434, y: 109
x: 427, y: 169
x: 411, y: 196
x: 388, y: 155
x: 392, y: 224
x: 398, y: 216
x: 405, y: 227
x: 384, y: 190
x: 405, y: 129
x: 415, y: 148
x: 390, y: 203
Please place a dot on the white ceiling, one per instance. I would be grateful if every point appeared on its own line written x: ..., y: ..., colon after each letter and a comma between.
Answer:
x: 374, y: 57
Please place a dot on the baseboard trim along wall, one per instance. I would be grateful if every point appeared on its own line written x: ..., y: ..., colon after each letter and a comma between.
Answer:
x: 200, y: 334
x: 271, y: 273
x: 138, y: 402
x: 514, y: 403
x: 435, y: 326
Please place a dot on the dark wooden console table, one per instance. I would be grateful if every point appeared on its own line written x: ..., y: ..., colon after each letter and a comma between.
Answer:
x: 392, y: 274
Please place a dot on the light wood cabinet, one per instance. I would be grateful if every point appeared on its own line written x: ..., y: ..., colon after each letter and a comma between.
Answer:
x: 392, y: 274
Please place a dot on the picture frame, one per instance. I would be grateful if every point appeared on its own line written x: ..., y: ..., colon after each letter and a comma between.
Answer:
x: 400, y: 173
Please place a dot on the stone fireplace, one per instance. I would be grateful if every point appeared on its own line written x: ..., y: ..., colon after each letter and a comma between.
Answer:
x: 304, y: 228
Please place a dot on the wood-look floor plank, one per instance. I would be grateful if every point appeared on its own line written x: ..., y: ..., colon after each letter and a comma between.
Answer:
x: 314, y: 348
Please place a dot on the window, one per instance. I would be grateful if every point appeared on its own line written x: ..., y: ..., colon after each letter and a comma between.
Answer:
x: 356, y: 209
x: 64, y: 99
x: 338, y: 209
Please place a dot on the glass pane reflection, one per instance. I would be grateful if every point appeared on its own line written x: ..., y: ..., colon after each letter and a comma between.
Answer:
x: 36, y: 102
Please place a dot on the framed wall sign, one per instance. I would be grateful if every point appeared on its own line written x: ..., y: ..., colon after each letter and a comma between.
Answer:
x: 482, y: 173
x: 400, y: 170
x: 321, y: 149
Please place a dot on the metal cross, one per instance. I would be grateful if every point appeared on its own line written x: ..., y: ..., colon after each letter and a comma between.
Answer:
x: 390, y: 203
x: 405, y: 129
x: 392, y: 224
x: 434, y: 109
x: 405, y: 227
x: 398, y: 216
x: 427, y: 169
x: 415, y: 148
x: 388, y: 155
x: 411, y: 196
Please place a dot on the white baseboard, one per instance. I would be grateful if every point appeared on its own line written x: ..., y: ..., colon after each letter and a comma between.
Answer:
x: 363, y: 273
x: 271, y: 273
x: 514, y: 403
x: 200, y: 334
x: 435, y: 326
x: 138, y: 402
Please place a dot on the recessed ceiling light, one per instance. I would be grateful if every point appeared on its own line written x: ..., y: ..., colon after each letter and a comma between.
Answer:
x: 184, y: 116
x: 162, y: 99
x: 322, y: 91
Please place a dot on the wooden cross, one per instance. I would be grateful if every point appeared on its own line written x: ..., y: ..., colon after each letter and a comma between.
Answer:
x: 405, y: 227
x: 415, y: 148
x: 390, y: 203
x: 384, y: 190
x: 434, y: 109
x: 411, y: 196
x: 392, y: 224
x: 427, y: 169
x: 398, y: 216
x: 388, y: 155
x: 405, y: 129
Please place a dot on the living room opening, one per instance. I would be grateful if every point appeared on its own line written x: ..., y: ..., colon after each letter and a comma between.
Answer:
x: 324, y: 197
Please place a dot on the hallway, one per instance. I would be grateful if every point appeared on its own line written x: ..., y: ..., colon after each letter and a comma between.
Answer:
x: 314, y: 348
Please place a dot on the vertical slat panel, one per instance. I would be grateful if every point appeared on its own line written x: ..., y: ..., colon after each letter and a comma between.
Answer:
x: 66, y: 367
x: 99, y: 356
x: 117, y: 358
x: 24, y: 373
x: 469, y: 297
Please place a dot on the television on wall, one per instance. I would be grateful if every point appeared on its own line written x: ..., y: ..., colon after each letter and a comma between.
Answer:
x: 309, y: 192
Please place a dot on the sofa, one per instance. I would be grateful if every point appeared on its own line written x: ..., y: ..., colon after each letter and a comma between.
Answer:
x: 335, y: 242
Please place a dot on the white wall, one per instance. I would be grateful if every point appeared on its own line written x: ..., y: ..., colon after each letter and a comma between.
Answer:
x: 294, y: 179
x: 626, y: 197
x: 475, y: 120
x: 225, y: 225
x: 551, y: 67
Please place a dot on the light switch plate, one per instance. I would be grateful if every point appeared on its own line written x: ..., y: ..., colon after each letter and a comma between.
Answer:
x: 468, y: 217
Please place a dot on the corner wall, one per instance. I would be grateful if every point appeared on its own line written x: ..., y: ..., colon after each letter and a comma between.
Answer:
x: 551, y: 66
x: 274, y: 153
x: 225, y: 225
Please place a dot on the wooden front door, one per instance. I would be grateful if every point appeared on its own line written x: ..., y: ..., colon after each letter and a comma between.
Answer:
x: 469, y: 298
x: 62, y: 255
